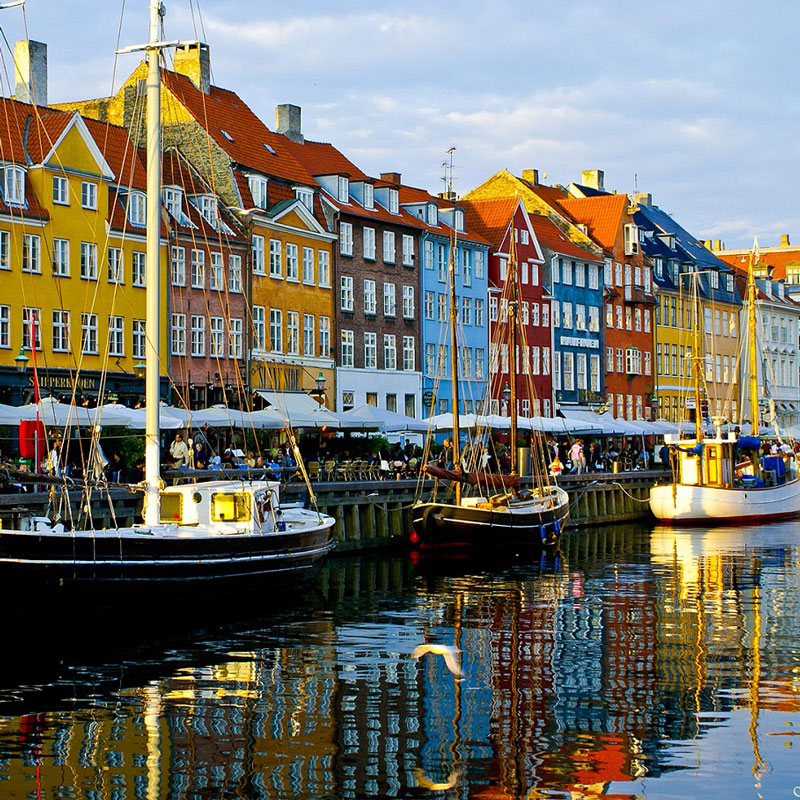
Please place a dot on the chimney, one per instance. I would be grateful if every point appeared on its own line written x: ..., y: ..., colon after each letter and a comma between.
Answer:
x: 785, y: 240
x: 531, y: 175
x: 449, y: 196
x: 593, y: 178
x: 391, y: 177
x: 717, y: 245
x: 288, y: 122
x: 643, y: 199
x: 30, y: 59
x: 194, y: 61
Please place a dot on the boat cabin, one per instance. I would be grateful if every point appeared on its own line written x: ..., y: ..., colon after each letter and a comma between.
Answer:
x: 226, y: 504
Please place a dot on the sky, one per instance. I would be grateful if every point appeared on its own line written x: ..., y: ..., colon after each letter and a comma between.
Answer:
x: 693, y: 101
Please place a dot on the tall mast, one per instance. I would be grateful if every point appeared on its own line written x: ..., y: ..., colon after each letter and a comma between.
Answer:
x: 698, y: 360
x: 152, y: 513
x: 451, y: 272
x: 751, y: 325
x: 513, y: 310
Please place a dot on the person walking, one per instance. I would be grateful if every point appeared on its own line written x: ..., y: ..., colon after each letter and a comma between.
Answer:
x: 577, y: 457
x: 179, y: 451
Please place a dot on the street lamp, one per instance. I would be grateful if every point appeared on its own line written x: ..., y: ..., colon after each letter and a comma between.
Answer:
x: 21, y: 361
x: 318, y: 393
x: 139, y: 368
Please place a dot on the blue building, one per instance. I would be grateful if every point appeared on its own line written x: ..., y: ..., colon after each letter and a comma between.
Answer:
x: 443, y: 224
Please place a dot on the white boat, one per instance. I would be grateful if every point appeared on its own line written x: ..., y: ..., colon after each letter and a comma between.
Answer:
x: 217, y: 531
x: 725, y: 478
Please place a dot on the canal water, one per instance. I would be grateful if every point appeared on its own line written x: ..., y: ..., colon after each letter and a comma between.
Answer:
x: 641, y: 662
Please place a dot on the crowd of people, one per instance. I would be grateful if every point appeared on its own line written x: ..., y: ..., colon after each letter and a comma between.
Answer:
x: 601, y: 455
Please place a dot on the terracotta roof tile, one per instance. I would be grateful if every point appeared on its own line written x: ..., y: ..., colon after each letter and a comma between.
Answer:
x: 602, y: 215
x: 778, y: 260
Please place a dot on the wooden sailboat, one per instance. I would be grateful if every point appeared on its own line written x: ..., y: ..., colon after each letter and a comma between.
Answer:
x: 508, y: 517
x: 724, y: 479
x: 216, y: 531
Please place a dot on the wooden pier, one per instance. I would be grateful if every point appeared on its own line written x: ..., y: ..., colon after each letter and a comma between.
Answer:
x: 368, y: 514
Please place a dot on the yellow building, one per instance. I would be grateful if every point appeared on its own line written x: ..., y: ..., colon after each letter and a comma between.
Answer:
x: 65, y: 319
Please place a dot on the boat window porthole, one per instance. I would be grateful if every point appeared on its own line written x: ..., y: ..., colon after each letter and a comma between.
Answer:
x: 197, y: 497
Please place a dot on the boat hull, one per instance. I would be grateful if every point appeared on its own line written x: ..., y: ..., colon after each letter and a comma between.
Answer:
x: 130, y: 556
x: 445, y: 526
x: 679, y: 503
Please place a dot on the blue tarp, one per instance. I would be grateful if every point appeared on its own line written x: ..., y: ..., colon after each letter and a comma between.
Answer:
x: 775, y: 463
x: 749, y: 442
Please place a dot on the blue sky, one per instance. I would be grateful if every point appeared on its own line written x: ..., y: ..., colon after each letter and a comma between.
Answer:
x: 692, y: 101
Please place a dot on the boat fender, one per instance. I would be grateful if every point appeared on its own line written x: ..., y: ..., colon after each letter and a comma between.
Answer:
x: 556, y: 527
x: 265, y: 506
x: 543, y: 533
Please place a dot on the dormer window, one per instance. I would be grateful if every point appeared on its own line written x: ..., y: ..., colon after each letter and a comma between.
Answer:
x: 207, y: 204
x: 369, y: 196
x: 173, y: 202
x: 433, y: 214
x: 344, y: 189
x: 631, y: 239
x: 137, y: 205
x: 394, y: 201
x: 14, y: 190
x: 258, y: 188
x: 459, y: 220
x: 306, y: 197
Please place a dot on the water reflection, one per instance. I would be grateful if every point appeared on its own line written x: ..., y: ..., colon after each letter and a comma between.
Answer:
x: 659, y: 662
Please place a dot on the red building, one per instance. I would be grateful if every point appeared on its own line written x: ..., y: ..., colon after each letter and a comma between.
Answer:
x: 497, y: 221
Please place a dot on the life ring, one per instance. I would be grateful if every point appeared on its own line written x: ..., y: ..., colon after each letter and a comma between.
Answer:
x: 265, y: 506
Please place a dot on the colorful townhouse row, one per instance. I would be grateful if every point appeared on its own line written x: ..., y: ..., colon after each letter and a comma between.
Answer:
x: 289, y: 270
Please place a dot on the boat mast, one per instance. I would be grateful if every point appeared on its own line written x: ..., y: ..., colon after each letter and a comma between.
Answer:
x: 451, y: 271
x: 751, y: 324
x: 152, y: 510
x: 698, y: 355
x: 513, y: 310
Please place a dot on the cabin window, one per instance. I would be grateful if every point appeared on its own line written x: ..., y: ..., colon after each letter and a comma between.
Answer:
x: 230, y: 507
x: 171, y: 507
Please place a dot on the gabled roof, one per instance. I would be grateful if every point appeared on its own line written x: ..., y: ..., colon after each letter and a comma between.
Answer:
x: 120, y: 153
x: 491, y: 218
x: 412, y: 195
x: 249, y: 142
x: 553, y: 239
x: 602, y: 215
x: 778, y: 260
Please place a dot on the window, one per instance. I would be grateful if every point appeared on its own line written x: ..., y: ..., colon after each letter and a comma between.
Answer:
x: 258, y: 188
x: 61, y: 258
x: 258, y: 255
x: 594, y: 276
x: 556, y: 306
x: 569, y: 371
x: 347, y: 349
x: 713, y: 279
x: 609, y: 315
x: 293, y: 333
x: 504, y: 358
x: 4, y: 251
x: 259, y: 327
x: 620, y: 359
x: 389, y: 351
x: 207, y: 205
x: 217, y: 337
x: 631, y: 240
x: 309, y: 337
x: 594, y: 318
x: 466, y: 267
x: 370, y: 297
x: 633, y: 361
x: 31, y: 323
x: 116, y: 336
x: 235, y: 346
x: 459, y: 220
x: 306, y: 197
x: 637, y: 319
x: 308, y: 266
x: 292, y: 267
x: 580, y: 317
x: 173, y: 201
x: 430, y: 359
x: 408, y: 302
x: 235, y: 273
x: 479, y: 264
x: 545, y: 315
x: 466, y: 311
x: 441, y: 303
x: 89, y: 261
x: 325, y: 336
x: 408, y: 250
x: 198, y: 268
x: 324, y: 267
x: 480, y: 363
x: 14, y: 185
x: 216, y: 276
x: 31, y: 253
x: 441, y: 263
x: 647, y: 321
x: 428, y: 254
x: 581, y: 371
x: 178, y: 335
x: 197, y: 335
x: 566, y: 315
x: 394, y: 201
x: 493, y: 308
x: 116, y: 266
x: 60, y: 190
x: 535, y: 360
x: 276, y: 330
x: 479, y: 302
x: 389, y: 300
x: 609, y: 359
x: 368, y: 238
x: 138, y: 339
x: 618, y: 315
x: 594, y: 374
x: 345, y: 239
x: 5, y: 326
x: 137, y: 208
x: 429, y: 309
x: 566, y: 272
x: 178, y: 266
x: 89, y: 334
x: 343, y: 187
x: 346, y: 292
x: 466, y: 360
x: 370, y: 350
x: 60, y: 330
x: 409, y: 356
x: 89, y: 195
x: 648, y: 362
x: 138, y: 268
x: 275, y: 266
x: 391, y: 402
x: 580, y: 274
x: 503, y: 269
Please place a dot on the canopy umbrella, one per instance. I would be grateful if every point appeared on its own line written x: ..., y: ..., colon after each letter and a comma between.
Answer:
x: 220, y: 416
x: 9, y: 415
x: 136, y: 417
x: 385, y: 420
x: 60, y: 415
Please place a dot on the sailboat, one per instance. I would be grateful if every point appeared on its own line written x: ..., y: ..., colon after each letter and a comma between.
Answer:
x: 511, y: 517
x: 225, y: 530
x: 723, y: 478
